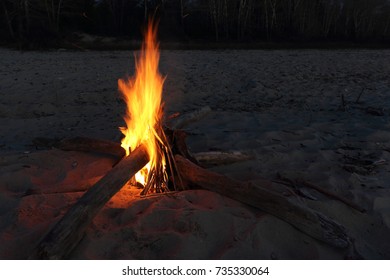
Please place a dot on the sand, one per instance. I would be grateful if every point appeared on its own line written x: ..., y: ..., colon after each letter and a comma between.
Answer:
x: 298, y: 112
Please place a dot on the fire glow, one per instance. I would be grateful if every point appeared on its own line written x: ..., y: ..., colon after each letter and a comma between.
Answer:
x: 142, y: 94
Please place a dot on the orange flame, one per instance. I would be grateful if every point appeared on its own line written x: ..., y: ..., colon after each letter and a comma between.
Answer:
x: 143, y: 96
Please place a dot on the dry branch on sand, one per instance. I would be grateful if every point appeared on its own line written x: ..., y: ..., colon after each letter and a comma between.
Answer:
x: 183, y: 120
x: 67, y: 233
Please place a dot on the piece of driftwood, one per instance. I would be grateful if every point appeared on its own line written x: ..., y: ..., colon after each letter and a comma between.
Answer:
x: 298, y: 215
x: 182, y: 120
x: 82, y: 144
x: 67, y: 233
x: 221, y: 158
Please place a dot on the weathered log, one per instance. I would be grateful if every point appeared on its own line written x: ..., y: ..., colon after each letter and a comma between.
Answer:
x: 67, y: 233
x: 301, y: 217
x: 185, y: 119
x: 215, y: 158
x: 82, y: 144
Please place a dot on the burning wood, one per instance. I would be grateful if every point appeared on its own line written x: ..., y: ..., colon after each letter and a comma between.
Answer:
x: 67, y: 233
x: 150, y: 158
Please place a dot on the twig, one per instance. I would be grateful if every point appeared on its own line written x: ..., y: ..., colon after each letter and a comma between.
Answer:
x: 360, y: 94
x: 343, y: 103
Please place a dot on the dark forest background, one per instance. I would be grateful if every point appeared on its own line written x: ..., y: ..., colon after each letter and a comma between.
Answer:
x: 44, y: 22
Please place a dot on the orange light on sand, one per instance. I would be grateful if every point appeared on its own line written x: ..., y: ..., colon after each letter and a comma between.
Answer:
x: 143, y: 96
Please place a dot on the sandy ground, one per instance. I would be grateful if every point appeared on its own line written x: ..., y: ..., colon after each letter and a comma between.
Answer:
x: 296, y: 111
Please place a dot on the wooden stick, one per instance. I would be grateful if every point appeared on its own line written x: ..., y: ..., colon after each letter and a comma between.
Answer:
x: 343, y: 103
x: 360, y: 94
x: 67, y: 233
x: 301, y: 217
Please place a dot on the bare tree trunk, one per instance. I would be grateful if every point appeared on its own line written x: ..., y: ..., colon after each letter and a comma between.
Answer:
x: 214, y: 14
x: 244, y: 12
x: 239, y: 19
x: 27, y: 14
x: 58, y: 15
x: 53, y: 12
x: 8, y: 20
x: 303, y: 23
x: 49, y: 18
x: 357, y: 21
x: 273, y: 19
x: 20, y: 22
x: 181, y: 13
x: 226, y: 19
x: 386, y: 27
x: 266, y: 19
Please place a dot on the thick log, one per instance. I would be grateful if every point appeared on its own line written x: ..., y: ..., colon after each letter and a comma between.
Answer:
x: 301, y: 217
x: 67, y: 233
x: 85, y: 144
x: 185, y: 119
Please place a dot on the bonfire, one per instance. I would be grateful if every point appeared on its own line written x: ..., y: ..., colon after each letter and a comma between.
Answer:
x: 152, y: 156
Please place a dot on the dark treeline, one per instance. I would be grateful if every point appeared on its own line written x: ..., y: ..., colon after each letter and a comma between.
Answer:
x: 44, y: 21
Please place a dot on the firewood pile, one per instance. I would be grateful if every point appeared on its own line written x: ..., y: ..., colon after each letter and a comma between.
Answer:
x: 189, y: 173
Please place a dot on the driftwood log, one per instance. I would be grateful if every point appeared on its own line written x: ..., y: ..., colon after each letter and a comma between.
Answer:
x: 215, y: 158
x: 67, y: 233
x: 301, y: 217
x: 82, y: 144
x: 185, y: 119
